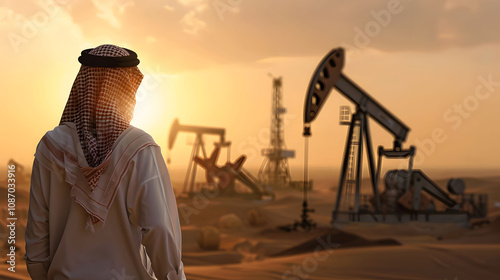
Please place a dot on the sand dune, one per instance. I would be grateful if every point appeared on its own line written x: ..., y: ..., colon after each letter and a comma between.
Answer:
x: 351, y: 251
x: 393, y: 262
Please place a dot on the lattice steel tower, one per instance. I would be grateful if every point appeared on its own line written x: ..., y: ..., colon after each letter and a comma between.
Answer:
x: 274, y: 170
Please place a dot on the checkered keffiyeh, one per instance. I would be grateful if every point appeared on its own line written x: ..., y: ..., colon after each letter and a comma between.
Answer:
x: 101, y: 104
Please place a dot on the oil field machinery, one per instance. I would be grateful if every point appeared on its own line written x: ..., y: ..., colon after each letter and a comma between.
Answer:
x: 198, y: 145
x: 220, y: 177
x: 407, y: 195
x: 274, y: 170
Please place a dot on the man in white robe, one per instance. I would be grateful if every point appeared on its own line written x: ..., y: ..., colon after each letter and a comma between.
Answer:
x: 101, y: 201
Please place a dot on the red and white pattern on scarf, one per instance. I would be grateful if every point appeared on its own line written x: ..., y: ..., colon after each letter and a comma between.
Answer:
x: 101, y: 104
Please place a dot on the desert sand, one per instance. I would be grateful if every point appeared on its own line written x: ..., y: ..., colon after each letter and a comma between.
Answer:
x: 250, y: 245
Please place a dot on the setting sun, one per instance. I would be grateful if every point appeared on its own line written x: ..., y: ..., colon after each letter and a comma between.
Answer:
x: 210, y: 65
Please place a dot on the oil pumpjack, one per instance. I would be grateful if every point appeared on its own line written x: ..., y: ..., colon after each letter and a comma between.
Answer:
x: 406, y: 195
x: 220, y: 177
x: 198, y: 145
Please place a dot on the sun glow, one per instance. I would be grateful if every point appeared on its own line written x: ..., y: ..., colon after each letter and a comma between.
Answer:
x: 154, y: 102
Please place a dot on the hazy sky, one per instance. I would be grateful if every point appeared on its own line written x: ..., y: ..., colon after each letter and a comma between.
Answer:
x: 434, y: 64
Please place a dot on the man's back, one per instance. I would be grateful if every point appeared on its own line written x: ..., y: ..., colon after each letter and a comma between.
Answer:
x: 137, y: 213
x: 115, y: 216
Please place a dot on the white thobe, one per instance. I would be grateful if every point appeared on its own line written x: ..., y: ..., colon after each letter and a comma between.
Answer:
x: 140, y: 238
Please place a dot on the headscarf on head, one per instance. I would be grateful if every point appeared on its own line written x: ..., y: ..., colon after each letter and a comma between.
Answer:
x: 101, y: 103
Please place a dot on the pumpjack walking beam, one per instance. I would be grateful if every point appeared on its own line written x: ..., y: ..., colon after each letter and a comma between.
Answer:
x: 328, y: 75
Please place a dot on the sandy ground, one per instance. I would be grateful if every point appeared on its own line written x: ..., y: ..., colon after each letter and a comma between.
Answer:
x: 351, y: 251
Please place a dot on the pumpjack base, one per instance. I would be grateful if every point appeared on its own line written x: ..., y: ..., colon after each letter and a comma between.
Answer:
x: 458, y: 217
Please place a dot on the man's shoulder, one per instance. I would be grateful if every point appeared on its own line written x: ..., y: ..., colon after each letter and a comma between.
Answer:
x: 132, y: 140
x: 134, y: 134
x: 56, y: 145
x: 63, y: 133
x: 65, y: 128
x: 135, y: 131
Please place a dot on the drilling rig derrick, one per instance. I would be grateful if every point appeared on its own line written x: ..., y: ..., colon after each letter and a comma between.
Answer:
x: 274, y: 170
